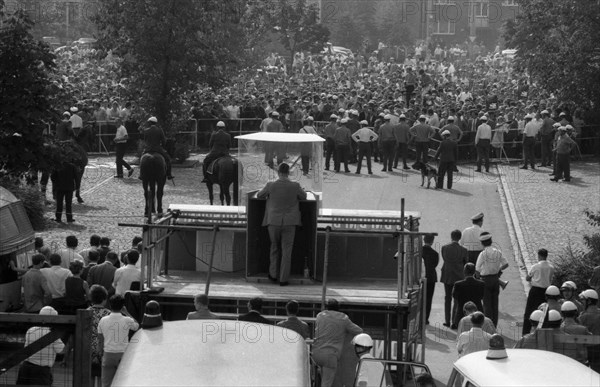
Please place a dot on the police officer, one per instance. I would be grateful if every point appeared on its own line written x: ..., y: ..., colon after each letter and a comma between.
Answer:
x: 590, y: 318
x: 155, y: 141
x: 220, y: 142
x: 490, y: 264
x: 370, y: 372
x: 364, y: 136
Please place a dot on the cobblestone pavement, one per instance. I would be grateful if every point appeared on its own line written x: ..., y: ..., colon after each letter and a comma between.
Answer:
x: 109, y: 201
x: 550, y: 214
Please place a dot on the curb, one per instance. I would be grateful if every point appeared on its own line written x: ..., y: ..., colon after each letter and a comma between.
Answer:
x: 514, y: 229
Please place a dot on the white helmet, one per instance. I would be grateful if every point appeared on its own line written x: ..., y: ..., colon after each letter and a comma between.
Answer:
x: 220, y: 124
x: 363, y: 340
x: 589, y: 294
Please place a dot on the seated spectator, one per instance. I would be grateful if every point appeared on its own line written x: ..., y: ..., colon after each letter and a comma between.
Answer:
x: 93, y: 257
x: 127, y: 275
x: 76, y: 289
x: 570, y: 326
x: 37, y: 369
x: 293, y: 322
x: 552, y: 299
x: 530, y: 340
x: 113, y: 332
x: 465, y: 324
x: 98, y: 296
x: 202, y: 312
x: 474, y: 339
x: 94, y: 246
x: 104, y: 248
x: 36, y: 293
x: 254, y: 312
x: 152, y: 317
x: 41, y: 248
x: 104, y: 273
x: 56, y: 276
x: 135, y: 245
x: 69, y: 254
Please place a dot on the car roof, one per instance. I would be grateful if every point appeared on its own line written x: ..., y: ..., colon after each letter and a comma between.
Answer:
x: 214, y: 353
x: 526, y: 367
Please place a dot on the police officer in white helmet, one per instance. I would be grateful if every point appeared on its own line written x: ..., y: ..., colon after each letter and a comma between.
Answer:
x: 369, y: 372
x: 590, y: 318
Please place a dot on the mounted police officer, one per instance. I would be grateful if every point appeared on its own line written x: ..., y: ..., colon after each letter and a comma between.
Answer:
x: 220, y: 142
x: 155, y: 141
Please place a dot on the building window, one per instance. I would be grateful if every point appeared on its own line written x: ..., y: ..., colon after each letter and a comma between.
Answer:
x: 444, y: 27
x: 480, y: 9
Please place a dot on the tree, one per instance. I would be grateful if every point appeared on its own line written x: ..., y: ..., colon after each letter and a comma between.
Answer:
x: 349, y: 34
x: 557, y: 45
x: 170, y: 46
x: 25, y: 96
x: 297, y: 25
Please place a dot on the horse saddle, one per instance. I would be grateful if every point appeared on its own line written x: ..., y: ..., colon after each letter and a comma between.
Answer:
x: 211, y: 166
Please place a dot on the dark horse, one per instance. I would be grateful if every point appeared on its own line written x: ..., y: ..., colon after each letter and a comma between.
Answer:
x: 225, y: 172
x: 153, y: 174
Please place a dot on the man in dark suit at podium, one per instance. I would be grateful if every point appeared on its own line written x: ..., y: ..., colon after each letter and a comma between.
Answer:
x: 282, y: 215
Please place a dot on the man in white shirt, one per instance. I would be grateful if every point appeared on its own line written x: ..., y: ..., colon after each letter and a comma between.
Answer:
x: 483, y: 138
x: 56, y: 276
x: 529, y: 134
x: 125, y: 276
x: 37, y: 369
x: 465, y: 324
x: 489, y: 266
x: 540, y: 277
x: 76, y: 121
x: 113, y: 337
x: 475, y: 339
x: 69, y: 254
x: 470, y: 238
x: 364, y: 136
x: 120, y: 140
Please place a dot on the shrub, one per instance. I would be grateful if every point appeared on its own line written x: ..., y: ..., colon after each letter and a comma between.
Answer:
x: 577, y: 265
x: 33, y: 201
x: 182, y: 149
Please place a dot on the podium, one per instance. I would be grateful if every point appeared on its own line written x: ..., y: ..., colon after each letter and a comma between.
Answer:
x: 258, y: 243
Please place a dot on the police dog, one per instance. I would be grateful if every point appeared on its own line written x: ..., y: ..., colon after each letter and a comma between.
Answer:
x: 429, y: 172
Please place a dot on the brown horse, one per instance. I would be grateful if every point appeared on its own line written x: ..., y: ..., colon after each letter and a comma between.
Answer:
x: 153, y: 173
x: 226, y: 171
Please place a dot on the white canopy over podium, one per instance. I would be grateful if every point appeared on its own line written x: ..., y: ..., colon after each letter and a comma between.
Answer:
x: 254, y: 150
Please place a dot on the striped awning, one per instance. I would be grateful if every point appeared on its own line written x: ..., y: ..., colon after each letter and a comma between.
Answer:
x: 16, y: 233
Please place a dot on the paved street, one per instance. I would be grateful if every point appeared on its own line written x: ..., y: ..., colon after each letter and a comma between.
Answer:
x: 545, y: 214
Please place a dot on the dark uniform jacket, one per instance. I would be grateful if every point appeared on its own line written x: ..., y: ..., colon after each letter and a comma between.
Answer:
x: 446, y: 151
x: 155, y: 138
x: 220, y: 142
x: 65, y: 178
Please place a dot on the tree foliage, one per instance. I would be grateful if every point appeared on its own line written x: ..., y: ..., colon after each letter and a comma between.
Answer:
x: 557, y: 43
x: 25, y: 96
x: 170, y: 46
x: 295, y: 23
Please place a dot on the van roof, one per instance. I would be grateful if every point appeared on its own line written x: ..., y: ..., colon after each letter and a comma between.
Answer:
x: 214, y: 353
x: 526, y: 367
